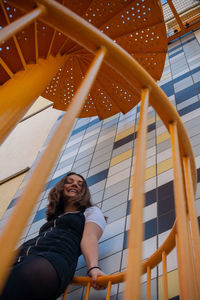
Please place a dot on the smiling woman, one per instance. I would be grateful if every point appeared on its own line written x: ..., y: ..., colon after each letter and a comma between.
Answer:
x: 46, y: 264
x: 71, y: 193
x: 73, y: 185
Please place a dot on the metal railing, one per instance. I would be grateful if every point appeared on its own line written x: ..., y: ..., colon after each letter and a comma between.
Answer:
x: 185, y: 233
x: 181, y: 17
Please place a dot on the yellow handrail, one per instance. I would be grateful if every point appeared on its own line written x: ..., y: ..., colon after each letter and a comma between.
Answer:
x: 76, y: 28
x: 167, y: 246
x: 34, y: 187
x: 91, y: 38
x: 88, y: 36
x: 182, y: 28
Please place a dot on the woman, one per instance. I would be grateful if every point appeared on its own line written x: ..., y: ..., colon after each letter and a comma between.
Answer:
x: 46, y: 264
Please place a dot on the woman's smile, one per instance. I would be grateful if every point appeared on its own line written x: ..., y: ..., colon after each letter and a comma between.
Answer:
x: 72, y: 191
x: 73, y: 185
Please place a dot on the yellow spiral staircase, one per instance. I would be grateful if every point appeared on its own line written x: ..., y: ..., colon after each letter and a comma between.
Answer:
x: 97, y: 58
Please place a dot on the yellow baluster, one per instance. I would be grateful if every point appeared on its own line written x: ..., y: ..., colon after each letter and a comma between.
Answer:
x: 35, y: 185
x: 135, y: 237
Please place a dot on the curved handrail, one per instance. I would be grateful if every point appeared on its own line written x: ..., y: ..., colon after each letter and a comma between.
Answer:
x: 92, y: 39
x: 167, y: 246
x: 77, y: 29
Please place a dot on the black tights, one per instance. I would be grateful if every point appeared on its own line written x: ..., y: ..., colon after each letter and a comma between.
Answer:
x: 32, y: 279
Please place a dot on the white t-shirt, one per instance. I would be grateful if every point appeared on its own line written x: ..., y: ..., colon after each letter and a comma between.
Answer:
x: 95, y: 215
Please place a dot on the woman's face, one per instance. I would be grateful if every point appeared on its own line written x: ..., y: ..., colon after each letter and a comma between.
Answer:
x: 73, y: 186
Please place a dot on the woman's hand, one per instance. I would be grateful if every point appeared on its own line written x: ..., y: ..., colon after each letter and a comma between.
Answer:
x: 89, y: 246
x: 94, y: 274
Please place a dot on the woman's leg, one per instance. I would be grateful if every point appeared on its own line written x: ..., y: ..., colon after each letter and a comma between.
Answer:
x: 34, y: 278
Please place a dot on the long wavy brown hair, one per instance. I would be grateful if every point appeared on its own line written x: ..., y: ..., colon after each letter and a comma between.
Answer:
x: 57, y: 201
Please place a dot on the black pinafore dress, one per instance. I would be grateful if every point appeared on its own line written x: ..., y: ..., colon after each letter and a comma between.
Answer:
x: 59, y: 242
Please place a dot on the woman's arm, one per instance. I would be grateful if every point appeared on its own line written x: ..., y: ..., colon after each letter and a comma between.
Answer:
x: 89, y: 247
